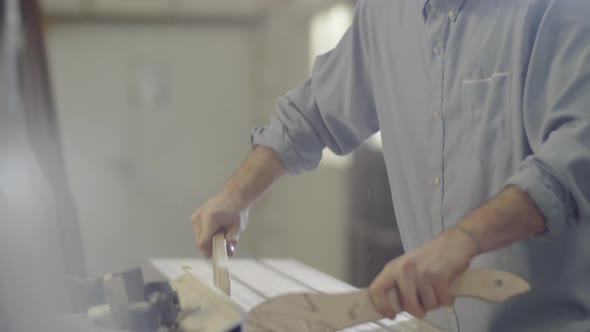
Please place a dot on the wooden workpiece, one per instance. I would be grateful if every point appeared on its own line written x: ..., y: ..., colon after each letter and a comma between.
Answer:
x: 203, y: 308
x: 309, y: 312
x: 221, y: 276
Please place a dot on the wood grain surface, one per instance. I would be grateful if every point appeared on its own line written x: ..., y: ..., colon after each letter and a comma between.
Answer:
x: 204, y: 309
x: 221, y: 275
x: 332, y: 312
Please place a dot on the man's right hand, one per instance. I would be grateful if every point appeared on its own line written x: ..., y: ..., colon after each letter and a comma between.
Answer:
x: 220, y: 213
x: 228, y: 210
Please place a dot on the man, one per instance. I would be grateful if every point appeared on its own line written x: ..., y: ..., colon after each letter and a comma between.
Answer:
x: 484, y: 111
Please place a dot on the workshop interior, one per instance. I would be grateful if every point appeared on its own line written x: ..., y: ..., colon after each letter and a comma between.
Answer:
x: 119, y: 118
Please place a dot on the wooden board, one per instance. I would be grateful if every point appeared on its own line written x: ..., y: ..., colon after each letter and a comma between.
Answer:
x: 317, y: 312
x: 221, y: 275
x: 203, y: 308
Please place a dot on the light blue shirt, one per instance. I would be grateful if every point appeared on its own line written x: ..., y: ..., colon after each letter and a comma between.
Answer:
x: 469, y: 95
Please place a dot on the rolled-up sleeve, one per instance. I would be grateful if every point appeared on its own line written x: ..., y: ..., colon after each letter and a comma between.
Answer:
x: 334, y: 108
x: 556, y: 115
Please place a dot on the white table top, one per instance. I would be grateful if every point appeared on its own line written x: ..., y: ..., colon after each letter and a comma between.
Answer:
x: 254, y: 280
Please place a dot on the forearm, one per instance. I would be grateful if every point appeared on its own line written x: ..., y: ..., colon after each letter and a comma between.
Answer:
x: 423, y: 276
x: 509, y: 217
x: 262, y: 167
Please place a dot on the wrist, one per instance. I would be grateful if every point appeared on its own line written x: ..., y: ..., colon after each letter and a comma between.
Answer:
x: 464, y: 240
x: 471, y: 237
x: 237, y: 196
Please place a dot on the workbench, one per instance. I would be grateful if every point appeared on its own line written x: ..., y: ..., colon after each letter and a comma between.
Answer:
x: 254, y: 280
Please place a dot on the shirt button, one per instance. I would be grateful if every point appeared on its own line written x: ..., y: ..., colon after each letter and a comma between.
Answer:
x: 435, y: 114
x: 452, y: 14
x: 436, y: 50
x: 451, y: 311
x: 437, y: 180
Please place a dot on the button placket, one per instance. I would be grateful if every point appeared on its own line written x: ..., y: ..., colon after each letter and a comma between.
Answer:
x: 435, y: 29
x: 437, y: 25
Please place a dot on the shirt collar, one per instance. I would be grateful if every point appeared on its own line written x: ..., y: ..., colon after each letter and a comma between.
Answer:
x: 450, y: 7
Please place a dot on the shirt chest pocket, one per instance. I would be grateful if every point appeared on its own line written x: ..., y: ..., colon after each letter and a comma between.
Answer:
x: 486, y: 98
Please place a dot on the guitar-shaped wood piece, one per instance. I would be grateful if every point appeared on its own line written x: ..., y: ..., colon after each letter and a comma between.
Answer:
x: 308, y: 312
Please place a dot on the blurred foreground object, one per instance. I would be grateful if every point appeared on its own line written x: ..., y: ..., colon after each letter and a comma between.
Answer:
x: 39, y: 237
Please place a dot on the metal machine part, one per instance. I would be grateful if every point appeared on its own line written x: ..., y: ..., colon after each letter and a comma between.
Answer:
x: 123, y: 301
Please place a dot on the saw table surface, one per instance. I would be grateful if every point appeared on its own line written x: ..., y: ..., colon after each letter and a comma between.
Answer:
x: 254, y: 280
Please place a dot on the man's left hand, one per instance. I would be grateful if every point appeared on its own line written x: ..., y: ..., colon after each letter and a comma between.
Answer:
x: 423, y: 277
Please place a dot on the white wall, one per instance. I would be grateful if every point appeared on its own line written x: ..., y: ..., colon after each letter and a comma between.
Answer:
x: 305, y: 217
x: 137, y: 174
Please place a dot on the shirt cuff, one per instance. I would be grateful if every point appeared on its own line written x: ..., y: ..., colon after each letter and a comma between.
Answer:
x: 264, y: 136
x: 552, y: 200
